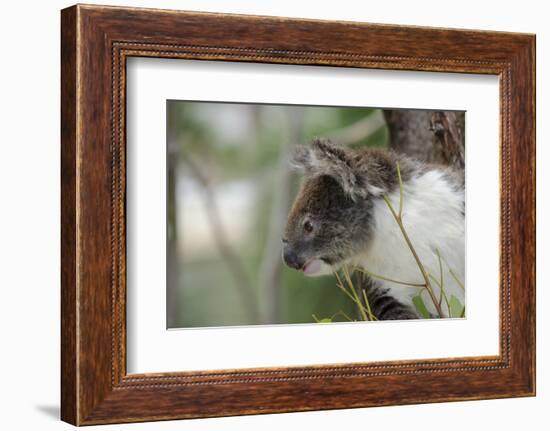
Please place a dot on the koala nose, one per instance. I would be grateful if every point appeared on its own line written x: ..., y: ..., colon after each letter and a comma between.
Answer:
x: 291, y: 259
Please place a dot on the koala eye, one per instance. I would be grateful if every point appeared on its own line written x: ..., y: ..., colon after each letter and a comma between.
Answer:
x: 308, y: 226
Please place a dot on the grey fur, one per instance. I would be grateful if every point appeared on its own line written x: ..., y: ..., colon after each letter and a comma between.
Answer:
x: 360, y: 172
x: 323, y: 202
x: 325, y: 158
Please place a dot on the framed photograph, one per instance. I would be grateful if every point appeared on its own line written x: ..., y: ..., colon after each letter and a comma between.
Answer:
x: 264, y: 214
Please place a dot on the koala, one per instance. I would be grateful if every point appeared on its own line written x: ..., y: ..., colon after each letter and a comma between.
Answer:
x: 340, y: 217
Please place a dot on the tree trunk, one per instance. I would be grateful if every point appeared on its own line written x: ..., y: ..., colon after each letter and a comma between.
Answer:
x: 428, y: 136
x: 173, y: 256
x: 271, y: 266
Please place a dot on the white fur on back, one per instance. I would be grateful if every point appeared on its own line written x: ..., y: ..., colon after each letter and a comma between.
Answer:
x: 433, y: 218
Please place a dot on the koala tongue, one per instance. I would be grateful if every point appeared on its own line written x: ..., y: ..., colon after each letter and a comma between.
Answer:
x: 312, y: 267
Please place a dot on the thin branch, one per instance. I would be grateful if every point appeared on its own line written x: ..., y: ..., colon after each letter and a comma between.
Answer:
x: 173, y: 290
x: 366, y: 307
x: 349, y: 319
x: 354, y: 292
x: 440, y: 275
x: 381, y: 277
x: 400, y: 191
x: 359, y: 130
x: 229, y: 256
x: 353, y: 296
x: 339, y: 312
x: 340, y: 285
x: 423, y: 271
x: 415, y: 255
x: 453, y: 274
x: 456, y: 278
x: 443, y: 294
x: 367, y: 303
x: 271, y: 265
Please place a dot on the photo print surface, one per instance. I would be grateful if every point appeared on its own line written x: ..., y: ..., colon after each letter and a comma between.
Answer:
x: 286, y: 214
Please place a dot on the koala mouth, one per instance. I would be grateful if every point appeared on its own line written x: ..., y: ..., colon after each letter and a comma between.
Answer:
x: 315, y: 266
x: 312, y: 267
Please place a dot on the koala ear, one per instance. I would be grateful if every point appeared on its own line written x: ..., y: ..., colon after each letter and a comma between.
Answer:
x: 322, y: 157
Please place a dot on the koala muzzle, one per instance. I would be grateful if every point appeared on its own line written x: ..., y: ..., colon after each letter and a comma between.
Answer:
x: 291, y: 259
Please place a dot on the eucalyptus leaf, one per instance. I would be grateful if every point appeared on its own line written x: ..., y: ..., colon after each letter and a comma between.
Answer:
x: 323, y: 320
x: 420, y: 306
x: 457, y: 309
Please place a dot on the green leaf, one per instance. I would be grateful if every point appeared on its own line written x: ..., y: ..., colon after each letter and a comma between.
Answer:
x: 420, y: 306
x: 457, y: 309
x: 324, y: 320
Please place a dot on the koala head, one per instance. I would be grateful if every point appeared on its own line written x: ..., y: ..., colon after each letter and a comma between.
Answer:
x: 331, y: 218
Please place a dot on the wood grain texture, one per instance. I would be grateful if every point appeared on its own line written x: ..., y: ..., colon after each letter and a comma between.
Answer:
x: 96, y: 41
x: 69, y: 331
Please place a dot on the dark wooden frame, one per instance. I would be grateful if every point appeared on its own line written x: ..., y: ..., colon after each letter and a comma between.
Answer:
x: 95, y: 43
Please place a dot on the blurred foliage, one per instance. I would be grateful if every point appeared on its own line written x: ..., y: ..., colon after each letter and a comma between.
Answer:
x: 245, y: 142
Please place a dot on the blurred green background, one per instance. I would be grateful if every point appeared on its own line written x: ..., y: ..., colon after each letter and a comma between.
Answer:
x: 230, y: 186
